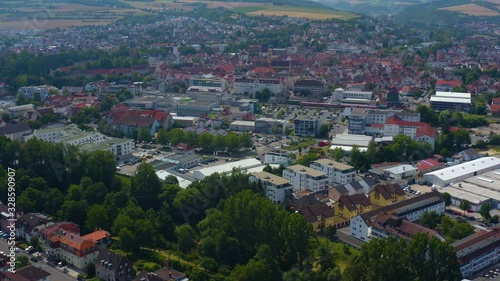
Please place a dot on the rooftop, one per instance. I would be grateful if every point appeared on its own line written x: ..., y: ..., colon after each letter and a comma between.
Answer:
x: 306, y: 170
x: 465, y: 168
x: 335, y: 164
x: 273, y: 179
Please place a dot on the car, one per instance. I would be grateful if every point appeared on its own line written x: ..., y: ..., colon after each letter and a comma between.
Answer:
x: 17, y: 250
x: 1, y: 232
x: 2, y: 253
x: 29, y: 248
x: 5, y: 235
x: 34, y: 259
x: 60, y: 264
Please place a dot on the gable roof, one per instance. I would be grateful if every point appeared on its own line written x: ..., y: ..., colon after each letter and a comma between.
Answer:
x: 97, y: 235
x: 352, y: 201
x: 30, y: 221
x: 311, y: 213
x: 27, y: 273
x: 13, y: 129
x: 389, y: 190
x: 113, y: 261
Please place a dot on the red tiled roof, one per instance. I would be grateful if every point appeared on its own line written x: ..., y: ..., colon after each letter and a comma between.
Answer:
x: 97, y: 235
x: 429, y: 163
x: 453, y: 83
x: 495, y: 105
x: 262, y: 70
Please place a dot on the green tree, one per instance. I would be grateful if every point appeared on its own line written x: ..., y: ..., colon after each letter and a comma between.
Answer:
x: 100, y: 165
x: 6, y: 117
x: 485, y: 211
x: 324, y: 129
x: 162, y: 136
x: 447, y: 199
x: 430, y: 219
x: 22, y: 261
x: 127, y: 241
x: 338, y: 154
x: 144, y: 135
x: 146, y: 187
x: 464, y: 205
x: 185, y: 238
x: 97, y: 218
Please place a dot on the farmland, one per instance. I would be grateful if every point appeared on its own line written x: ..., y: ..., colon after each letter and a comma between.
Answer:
x: 310, y: 13
x: 472, y: 10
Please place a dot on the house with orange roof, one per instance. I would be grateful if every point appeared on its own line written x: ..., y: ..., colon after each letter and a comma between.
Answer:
x: 63, y: 242
x: 101, y: 237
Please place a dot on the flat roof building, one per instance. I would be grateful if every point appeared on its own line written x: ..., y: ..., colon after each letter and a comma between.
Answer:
x: 244, y: 165
x: 277, y: 188
x: 462, y: 171
x: 451, y: 101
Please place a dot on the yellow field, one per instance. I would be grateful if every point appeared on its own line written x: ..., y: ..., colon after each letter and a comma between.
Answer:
x: 298, y: 12
x: 473, y: 10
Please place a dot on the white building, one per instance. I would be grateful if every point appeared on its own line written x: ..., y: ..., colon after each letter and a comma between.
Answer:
x: 244, y: 165
x: 119, y: 147
x: 277, y: 188
x: 478, y: 251
x: 401, y: 172
x: 341, y: 95
x: 31, y: 91
x: 337, y: 173
x: 411, y: 209
x: 304, y: 178
x: 451, y: 101
x: 183, y: 183
x: 242, y: 126
x: 251, y: 86
x: 347, y: 141
x: 462, y: 171
x: 276, y: 158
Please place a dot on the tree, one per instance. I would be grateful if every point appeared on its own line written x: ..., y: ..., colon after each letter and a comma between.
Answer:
x: 90, y: 270
x: 127, y: 241
x: 494, y: 219
x: 144, y: 135
x: 485, y: 212
x: 162, y: 136
x: 6, y: 117
x: 447, y: 199
x: 324, y: 130
x: 100, y: 165
x: 97, y: 218
x: 430, y: 219
x: 22, y: 261
x: 185, y: 238
x: 146, y: 186
x: 337, y: 154
x: 464, y: 205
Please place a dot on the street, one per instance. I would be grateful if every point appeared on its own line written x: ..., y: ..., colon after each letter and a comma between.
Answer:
x: 56, y: 273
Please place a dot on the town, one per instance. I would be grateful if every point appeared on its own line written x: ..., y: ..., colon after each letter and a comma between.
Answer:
x: 206, y: 145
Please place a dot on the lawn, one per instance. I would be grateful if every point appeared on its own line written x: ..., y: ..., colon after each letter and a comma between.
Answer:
x: 302, y: 144
x: 343, y: 259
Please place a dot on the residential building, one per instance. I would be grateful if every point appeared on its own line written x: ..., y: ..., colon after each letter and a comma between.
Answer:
x: 451, y: 101
x: 304, y: 178
x: 20, y: 110
x: 428, y: 165
x: 32, y: 92
x: 357, y: 121
x: 478, y: 251
x: 387, y: 194
x: 111, y: 266
x: 277, y: 158
x: 310, y: 88
x: 419, y: 131
x: 29, y: 225
x: 400, y: 172
x: 16, y: 132
x: 462, y: 171
x: 126, y: 121
x: 385, y: 225
x: 101, y: 237
x: 337, y: 173
x: 307, y: 126
x: 63, y: 241
x: 349, y: 206
x: 277, y: 188
x: 165, y: 273
x: 318, y: 214
x: 251, y: 86
x: 185, y: 121
x: 26, y: 273
x: 447, y: 85
x: 411, y: 209
x: 495, y: 107
x: 363, y: 186
x: 469, y: 154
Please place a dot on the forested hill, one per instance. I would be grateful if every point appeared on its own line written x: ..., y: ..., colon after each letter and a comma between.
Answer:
x: 297, y: 3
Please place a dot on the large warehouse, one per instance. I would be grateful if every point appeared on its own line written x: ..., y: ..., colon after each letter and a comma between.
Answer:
x: 462, y: 171
x: 478, y: 190
x: 250, y: 165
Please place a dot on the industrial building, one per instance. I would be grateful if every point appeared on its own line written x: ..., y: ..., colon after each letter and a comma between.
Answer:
x: 248, y: 165
x: 462, y: 171
x: 347, y: 141
x: 451, y: 101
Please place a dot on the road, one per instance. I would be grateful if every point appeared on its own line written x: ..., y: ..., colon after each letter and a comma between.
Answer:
x: 56, y: 273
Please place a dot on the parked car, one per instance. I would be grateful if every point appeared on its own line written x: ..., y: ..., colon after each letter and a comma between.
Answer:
x: 29, y: 248
x: 60, y: 264
x: 5, y: 236
x: 33, y: 259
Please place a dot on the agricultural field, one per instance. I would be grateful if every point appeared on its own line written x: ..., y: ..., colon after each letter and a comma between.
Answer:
x: 310, y: 13
x: 473, y: 10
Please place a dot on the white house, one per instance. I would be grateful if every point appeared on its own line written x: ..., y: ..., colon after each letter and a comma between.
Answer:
x: 276, y: 158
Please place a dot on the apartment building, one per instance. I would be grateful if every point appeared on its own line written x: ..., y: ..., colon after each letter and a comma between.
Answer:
x: 307, y: 126
x: 43, y: 91
x: 277, y: 188
x: 251, y: 86
x: 304, y: 178
x: 277, y: 158
x: 341, y: 95
x: 336, y: 172
x: 310, y: 87
x: 386, y: 194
